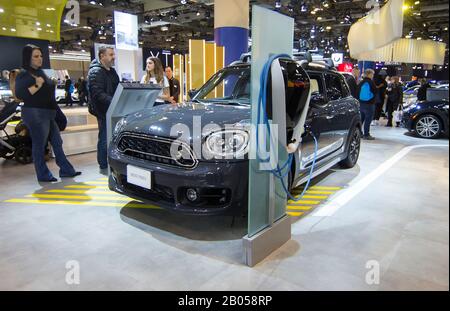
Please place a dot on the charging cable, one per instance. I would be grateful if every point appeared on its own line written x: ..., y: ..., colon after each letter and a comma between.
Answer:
x: 283, y: 171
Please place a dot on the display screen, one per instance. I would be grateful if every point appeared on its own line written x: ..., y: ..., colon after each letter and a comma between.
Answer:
x: 126, y: 27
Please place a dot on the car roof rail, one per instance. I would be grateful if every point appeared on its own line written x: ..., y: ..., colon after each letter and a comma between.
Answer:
x: 306, y: 56
x: 326, y: 63
x: 246, y: 57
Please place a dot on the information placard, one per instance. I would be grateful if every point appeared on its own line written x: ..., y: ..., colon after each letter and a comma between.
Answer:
x: 126, y: 28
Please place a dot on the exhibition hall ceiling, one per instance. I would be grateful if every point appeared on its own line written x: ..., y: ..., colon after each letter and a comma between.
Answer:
x: 169, y: 24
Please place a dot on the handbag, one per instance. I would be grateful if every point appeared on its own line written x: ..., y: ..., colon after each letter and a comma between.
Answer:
x: 60, y: 119
x: 398, y: 114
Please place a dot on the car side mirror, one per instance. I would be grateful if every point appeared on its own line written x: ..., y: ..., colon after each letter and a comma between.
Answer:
x: 317, y: 99
x: 192, y: 93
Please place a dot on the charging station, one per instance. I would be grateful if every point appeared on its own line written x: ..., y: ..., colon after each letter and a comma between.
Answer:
x: 268, y: 225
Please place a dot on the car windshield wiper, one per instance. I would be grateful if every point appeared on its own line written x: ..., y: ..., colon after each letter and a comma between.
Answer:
x: 197, y: 101
x: 230, y: 102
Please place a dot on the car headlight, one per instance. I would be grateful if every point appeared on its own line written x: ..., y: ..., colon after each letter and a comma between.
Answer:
x: 410, y: 102
x: 119, y: 126
x: 228, y: 144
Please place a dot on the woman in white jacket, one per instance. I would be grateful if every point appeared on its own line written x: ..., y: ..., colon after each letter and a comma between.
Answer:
x: 155, y: 75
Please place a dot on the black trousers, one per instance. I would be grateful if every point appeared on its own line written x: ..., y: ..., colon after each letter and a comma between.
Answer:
x: 378, y: 110
x: 68, y: 98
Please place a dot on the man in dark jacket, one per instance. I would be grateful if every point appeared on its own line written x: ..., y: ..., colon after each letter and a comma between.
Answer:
x: 422, y: 92
x: 67, y: 86
x: 174, y: 85
x: 367, y: 92
x: 395, y: 98
x: 102, y: 84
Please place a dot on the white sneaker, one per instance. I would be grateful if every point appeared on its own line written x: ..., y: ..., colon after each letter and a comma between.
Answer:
x: 374, y: 123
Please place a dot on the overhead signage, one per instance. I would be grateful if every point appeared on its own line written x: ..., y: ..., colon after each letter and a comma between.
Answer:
x: 126, y: 28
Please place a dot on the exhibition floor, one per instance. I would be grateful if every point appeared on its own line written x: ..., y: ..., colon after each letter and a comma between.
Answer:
x: 392, y: 208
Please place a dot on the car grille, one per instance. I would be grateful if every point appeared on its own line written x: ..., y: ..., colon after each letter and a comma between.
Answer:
x: 157, y: 150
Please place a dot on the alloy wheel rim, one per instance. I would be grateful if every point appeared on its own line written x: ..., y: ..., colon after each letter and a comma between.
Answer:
x: 428, y: 127
x: 354, y: 147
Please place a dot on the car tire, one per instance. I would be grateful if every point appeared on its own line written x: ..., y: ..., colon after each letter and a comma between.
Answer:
x: 353, y: 149
x: 428, y: 126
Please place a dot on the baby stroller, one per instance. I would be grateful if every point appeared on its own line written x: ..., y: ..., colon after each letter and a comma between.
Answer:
x: 14, y: 146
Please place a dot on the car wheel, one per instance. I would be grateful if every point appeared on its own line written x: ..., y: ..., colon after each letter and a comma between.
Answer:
x: 23, y: 155
x: 428, y: 126
x: 353, y: 150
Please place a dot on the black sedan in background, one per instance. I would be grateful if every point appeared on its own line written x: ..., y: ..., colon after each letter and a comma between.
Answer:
x: 429, y: 118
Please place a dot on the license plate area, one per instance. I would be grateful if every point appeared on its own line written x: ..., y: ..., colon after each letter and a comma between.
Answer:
x: 139, y: 177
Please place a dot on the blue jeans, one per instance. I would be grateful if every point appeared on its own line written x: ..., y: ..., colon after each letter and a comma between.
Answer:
x: 367, y: 113
x: 42, y: 126
x: 102, y: 156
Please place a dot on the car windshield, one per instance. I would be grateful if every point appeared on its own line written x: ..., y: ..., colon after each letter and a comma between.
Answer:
x: 228, y: 86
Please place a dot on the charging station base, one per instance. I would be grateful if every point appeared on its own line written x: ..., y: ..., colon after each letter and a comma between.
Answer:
x: 267, y: 241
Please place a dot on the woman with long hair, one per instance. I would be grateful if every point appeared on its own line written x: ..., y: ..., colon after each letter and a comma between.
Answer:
x: 155, y: 75
x: 39, y: 112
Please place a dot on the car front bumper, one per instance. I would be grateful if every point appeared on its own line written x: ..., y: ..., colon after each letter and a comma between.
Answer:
x: 407, y: 121
x: 221, y: 186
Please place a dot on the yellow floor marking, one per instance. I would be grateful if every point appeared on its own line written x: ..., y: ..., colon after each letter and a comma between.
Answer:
x: 324, y: 188
x: 87, y: 191
x: 303, y: 202
x: 299, y: 208
x: 78, y: 197
x: 295, y: 214
x: 103, y: 179
x: 83, y: 203
x: 86, y: 187
x: 318, y: 192
x: 316, y: 197
x: 95, y: 182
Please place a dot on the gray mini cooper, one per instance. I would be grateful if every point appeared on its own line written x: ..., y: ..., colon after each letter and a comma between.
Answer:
x: 144, y: 166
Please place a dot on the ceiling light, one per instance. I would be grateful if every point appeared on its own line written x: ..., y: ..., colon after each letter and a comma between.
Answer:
x: 277, y: 4
x: 417, y: 2
x: 38, y: 24
x: 3, y: 28
x: 328, y: 27
x: 2, y: 10
x: 50, y: 9
x: 420, y: 38
x: 183, y: 1
x: 13, y: 29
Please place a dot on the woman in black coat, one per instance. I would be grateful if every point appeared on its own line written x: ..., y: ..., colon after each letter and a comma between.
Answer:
x: 39, y: 112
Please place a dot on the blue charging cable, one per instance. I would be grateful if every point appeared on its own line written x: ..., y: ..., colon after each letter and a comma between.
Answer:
x: 283, y: 171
